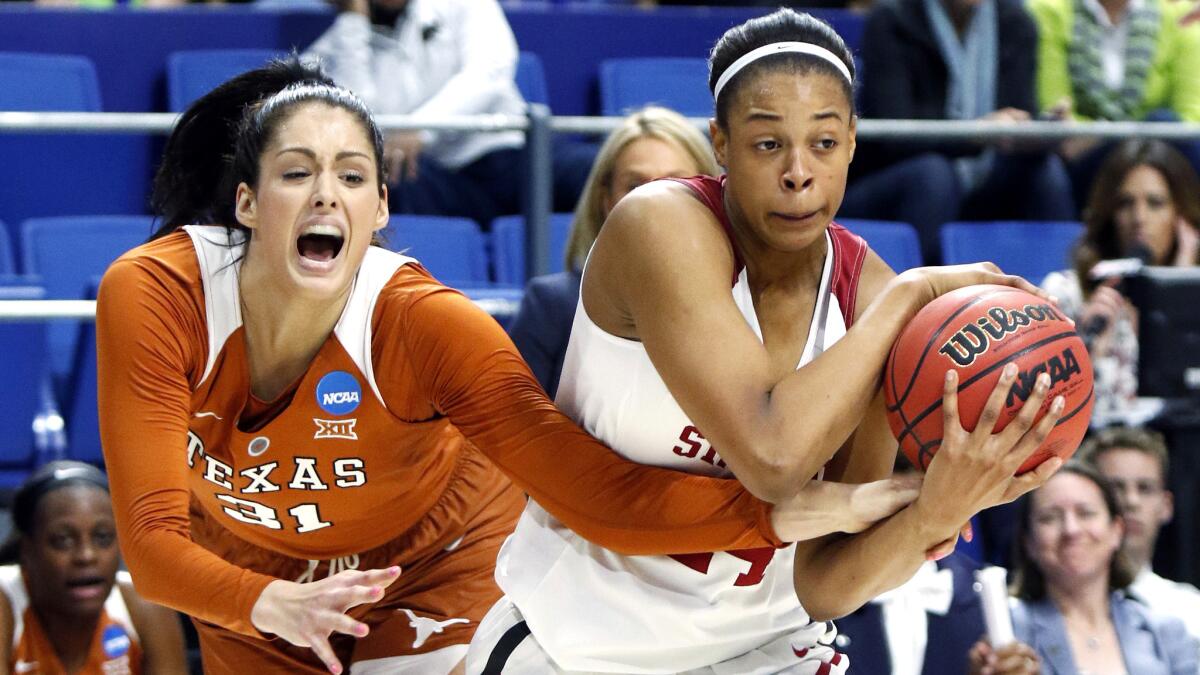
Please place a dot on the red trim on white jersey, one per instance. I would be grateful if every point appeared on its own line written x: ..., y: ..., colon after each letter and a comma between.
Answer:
x: 849, y: 249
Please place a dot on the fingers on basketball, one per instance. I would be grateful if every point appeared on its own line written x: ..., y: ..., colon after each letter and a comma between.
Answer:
x: 990, y: 415
x: 1018, y: 429
x: 952, y: 425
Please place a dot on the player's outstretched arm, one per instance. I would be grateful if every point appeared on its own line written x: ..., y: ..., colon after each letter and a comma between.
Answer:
x: 469, y: 370
x: 487, y: 391
x: 774, y: 427
x: 971, y: 471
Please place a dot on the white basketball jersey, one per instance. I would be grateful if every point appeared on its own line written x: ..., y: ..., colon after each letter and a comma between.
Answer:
x: 595, y: 610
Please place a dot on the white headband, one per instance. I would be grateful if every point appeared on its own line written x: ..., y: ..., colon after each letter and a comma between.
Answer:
x: 779, y: 48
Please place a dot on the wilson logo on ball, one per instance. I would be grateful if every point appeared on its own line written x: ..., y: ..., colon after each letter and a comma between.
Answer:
x: 975, y: 338
x: 976, y: 331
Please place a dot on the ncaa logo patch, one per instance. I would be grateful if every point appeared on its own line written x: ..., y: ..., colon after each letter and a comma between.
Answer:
x: 115, y: 641
x: 338, y: 393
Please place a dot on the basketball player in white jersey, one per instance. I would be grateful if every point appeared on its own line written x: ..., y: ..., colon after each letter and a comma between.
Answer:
x: 728, y: 328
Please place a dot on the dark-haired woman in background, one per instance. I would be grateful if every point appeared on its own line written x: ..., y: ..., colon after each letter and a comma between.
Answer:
x: 1070, y: 579
x: 1144, y: 204
x: 291, y: 415
x: 65, y: 609
x: 727, y: 327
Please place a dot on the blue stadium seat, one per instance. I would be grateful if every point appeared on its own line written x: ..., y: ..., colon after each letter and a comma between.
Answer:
x: 508, y: 246
x: 1027, y: 248
x: 193, y: 73
x: 531, y: 78
x: 501, y: 303
x: 7, y: 260
x: 68, y: 253
x: 82, y: 412
x: 25, y: 394
x: 897, y: 243
x: 36, y: 82
x: 450, y: 248
x: 680, y: 84
x: 61, y: 174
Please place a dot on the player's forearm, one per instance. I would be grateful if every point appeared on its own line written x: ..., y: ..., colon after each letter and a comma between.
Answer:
x: 821, y: 404
x: 623, y: 506
x: 821, y: 508
x: 836, y: 575
x: 169, y: 569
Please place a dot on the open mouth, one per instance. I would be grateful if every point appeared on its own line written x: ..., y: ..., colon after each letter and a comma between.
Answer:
x: 87, y: 587
x: 320, y: 243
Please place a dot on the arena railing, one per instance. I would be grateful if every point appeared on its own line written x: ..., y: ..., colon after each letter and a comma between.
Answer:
x: 539, y: 127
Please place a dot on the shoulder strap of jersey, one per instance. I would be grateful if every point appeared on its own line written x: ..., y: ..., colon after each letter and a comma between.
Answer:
x: 219, y: 250
x: 12, y: 584
x: 353, y: 329
x: 115, y: 607
x: 849, y: 253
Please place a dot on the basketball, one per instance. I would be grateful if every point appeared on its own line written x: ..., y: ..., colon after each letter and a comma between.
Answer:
x: 976, y: 331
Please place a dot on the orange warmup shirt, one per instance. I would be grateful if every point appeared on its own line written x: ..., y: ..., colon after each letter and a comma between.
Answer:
x: 113, y: 650
x: 175, y: 435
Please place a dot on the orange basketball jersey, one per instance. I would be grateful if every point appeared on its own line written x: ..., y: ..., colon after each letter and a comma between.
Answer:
x: 329, y: 470
x: 114, y: 650
x: 412, y: 384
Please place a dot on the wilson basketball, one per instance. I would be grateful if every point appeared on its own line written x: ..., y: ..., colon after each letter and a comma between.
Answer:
x: 976, y: 331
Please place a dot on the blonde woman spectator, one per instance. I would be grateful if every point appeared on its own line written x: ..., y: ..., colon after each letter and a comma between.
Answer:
x: 651, y: 143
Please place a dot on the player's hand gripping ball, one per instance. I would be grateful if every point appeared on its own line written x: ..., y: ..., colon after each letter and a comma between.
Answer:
x: 977, y: 330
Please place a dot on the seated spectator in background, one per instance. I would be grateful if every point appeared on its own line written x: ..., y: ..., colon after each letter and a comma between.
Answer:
x: 1135, y: 462
x: 434, y: 58
x: 951, y: 60
x: 1144, y: 204
x: 651, y: 143
x: 1070, y: 581
x: 1117, y: 60
x: 64, y: 607
x: 926, y: 626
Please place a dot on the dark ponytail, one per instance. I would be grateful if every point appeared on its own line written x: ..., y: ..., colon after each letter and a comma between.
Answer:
x: 194, y: 183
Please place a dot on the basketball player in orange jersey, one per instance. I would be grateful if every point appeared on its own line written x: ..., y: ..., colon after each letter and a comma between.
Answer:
x: 65, y: 607
x: 728, y: 328
x: 290, y: 415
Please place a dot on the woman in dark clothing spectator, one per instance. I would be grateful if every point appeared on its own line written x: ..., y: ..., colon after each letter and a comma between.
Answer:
x: 952, y: 60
